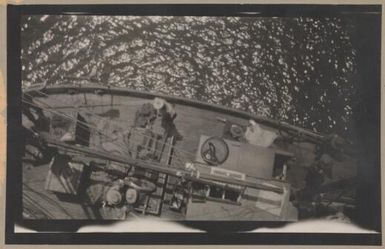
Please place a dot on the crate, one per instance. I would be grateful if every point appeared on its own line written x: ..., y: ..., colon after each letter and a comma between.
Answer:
x: 70, y: 128
x: 64, y: 176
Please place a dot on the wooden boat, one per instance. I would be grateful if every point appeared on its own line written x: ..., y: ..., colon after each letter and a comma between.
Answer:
x: 92, y: 153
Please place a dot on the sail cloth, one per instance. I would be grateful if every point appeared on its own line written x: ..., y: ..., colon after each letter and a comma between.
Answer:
x: 256, y: 135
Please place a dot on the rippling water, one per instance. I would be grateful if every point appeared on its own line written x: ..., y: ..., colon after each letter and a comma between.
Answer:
x: 298, y: 70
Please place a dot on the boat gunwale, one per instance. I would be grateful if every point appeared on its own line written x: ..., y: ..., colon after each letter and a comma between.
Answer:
x: 85, y: 88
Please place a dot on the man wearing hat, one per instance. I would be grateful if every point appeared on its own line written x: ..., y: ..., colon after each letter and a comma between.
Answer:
x: 113, y: 194
x: 114, y: 204
x: 162, y: 125
x: 315, y: 176
x: 163, y: 107
x: 131, y: 196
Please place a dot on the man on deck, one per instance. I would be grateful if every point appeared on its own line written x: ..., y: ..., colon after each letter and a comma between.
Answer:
x: 164, y: 108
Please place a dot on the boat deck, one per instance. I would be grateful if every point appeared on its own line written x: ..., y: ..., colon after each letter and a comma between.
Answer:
x: 191, y: 124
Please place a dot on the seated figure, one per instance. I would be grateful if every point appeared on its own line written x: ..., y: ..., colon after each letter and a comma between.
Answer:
x: 256, y: 135
x: 154, y: 123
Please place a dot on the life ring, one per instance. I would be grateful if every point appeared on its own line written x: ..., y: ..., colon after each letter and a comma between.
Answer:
x: 214, y: 151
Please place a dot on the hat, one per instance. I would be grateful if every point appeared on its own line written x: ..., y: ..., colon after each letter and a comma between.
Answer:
x: 113, y: 196
x: 158, y: 103
x: 326, y: 159
x: 131, y: 196
x: 327, y: 165
x: 252, y: 122
x: 236, y: 130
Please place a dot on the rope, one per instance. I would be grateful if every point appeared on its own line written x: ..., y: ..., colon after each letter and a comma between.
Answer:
x: 112, y: 121
x: 120, y: 144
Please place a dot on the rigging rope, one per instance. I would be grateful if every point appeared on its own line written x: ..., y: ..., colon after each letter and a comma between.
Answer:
x: 113, y: 121
x: 118, y: 143
x: 123, y: 147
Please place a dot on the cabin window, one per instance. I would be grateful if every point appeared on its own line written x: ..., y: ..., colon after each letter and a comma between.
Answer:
x: 280, y: 168
x: 200, y: 190
x: 232, y: 195
x: 216, y: 192
x: 222, y: 194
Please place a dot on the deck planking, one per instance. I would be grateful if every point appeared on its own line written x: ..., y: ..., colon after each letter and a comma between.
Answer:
x: 191, y: 122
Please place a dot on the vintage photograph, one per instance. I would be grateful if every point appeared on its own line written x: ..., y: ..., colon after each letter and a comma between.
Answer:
x: 229, y: 118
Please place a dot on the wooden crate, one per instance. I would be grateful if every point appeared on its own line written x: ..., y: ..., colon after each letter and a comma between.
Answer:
x: 71, y: 128
x: 64, y: 176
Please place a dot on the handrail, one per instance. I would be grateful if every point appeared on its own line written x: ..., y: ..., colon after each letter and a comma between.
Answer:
x: 179, y: 172
x: 56, y: 89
